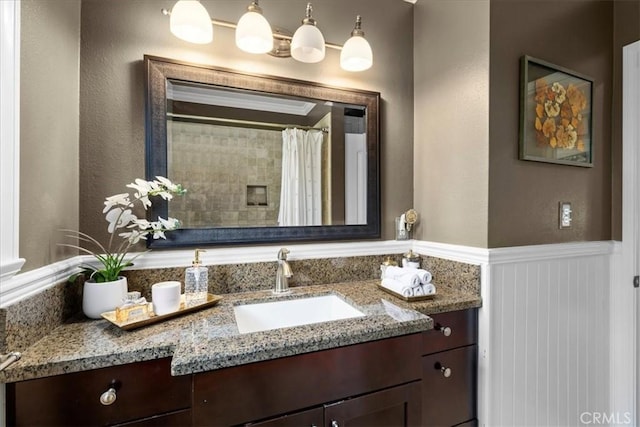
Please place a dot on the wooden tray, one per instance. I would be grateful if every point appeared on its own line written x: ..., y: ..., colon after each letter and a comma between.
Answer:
x: 138, y: 323
x: 410, y: 299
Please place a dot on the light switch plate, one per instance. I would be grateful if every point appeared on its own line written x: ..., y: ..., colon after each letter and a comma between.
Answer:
x: 564, y: 215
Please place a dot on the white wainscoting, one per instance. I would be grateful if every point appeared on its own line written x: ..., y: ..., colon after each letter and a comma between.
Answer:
x: 544, y: 335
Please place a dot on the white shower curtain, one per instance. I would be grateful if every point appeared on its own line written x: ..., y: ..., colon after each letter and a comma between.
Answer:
x: 301, y: 189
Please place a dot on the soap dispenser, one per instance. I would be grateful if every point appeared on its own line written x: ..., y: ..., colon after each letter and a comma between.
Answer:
x: 196, y: 282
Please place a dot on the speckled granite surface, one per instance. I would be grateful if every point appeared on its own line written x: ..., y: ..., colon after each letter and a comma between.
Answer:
x: 209, y: 339
x: 261, y: 275
x: 33, y: 318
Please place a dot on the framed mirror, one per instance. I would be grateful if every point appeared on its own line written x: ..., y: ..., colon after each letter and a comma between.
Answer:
x: 264, y: 159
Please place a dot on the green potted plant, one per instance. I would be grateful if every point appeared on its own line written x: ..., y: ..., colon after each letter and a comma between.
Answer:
x: 104, y: 287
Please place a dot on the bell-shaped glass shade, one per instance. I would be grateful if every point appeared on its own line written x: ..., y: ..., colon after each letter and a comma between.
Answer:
x: 253, y: 33
x: 356, y: 54
x: 307, y: 44
x: 190, y: 21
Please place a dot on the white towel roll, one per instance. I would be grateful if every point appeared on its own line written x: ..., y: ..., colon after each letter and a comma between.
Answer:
x: 397, y: 287
x: 407, y: 276
x: 424, y: 276
x: 428, y: 289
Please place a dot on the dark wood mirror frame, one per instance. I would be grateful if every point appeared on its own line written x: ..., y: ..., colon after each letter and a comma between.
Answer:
x: 158, y: 70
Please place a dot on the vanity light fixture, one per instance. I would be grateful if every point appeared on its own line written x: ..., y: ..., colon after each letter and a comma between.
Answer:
x: 356, y: 53
x: 307, y: 44
x: 253, y: 33
x: 190, y: 21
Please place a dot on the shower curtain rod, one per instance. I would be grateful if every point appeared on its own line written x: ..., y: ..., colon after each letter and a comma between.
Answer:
x: 244, y: 122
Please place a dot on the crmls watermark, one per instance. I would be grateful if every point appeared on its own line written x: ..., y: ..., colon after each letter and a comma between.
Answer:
x: 605, y: 418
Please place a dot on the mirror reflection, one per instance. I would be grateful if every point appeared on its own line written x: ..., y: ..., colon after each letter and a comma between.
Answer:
x: 264, y: 159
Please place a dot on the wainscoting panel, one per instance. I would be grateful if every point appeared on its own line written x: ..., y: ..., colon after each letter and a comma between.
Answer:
x: 547, y: 354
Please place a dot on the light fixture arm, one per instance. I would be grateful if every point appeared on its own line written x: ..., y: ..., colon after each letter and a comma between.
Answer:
x: 278, y: 34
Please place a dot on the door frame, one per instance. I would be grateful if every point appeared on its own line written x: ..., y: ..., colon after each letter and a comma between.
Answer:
x: 631, y: 181
x: 625, y: 299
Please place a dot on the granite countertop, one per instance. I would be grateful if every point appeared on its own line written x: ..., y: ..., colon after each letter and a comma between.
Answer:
x: 209, y: 339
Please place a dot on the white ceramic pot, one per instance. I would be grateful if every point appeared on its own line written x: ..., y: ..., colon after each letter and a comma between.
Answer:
x: 98, y: 298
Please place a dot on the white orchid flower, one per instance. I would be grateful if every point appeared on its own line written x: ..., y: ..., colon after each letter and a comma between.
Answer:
x: 169, y: 223
x: 175, y: 223
x: 133, y: 236
x: 118, y: 199
x: 142, y: 224
x: 158, y: 231
x: 118, y: 218
x: 174, y: 188
x: 143, y: 187
x: 165, y: 195
x: 145, y: 201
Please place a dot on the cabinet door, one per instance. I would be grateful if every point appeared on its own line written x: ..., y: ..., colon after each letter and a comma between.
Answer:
x: 311, y: 418
x: 142, y: 390
x: 397, y: 406
x: 262, y: 390
x: 449, y: 387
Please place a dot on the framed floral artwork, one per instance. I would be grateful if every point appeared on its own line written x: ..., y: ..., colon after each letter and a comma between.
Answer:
x: 555, y: 114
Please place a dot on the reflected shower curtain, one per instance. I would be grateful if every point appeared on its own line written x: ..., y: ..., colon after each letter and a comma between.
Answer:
x: 301, y: 189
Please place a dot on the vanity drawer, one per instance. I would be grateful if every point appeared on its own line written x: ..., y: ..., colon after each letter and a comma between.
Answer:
x: 449, y: 387
x: 451, y: 330
x: 143, y: 389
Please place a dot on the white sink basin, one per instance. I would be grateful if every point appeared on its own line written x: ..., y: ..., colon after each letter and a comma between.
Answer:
x: 294, y: 312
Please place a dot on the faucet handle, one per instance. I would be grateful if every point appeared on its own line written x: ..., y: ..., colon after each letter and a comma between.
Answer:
x: 282, y: 254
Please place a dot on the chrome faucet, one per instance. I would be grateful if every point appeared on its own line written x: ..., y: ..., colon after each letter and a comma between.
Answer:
x: 283, y: 273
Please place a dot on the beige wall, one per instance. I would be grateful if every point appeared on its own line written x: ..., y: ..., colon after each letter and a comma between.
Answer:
x: 49, y: 123
x: 524, y: 195
x: 116, y: 35
x: 451, y: 146
x: 469, y: 185
x: 460, y: 200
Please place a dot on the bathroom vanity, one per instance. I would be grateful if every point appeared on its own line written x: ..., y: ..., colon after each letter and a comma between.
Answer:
x: 406, y: 370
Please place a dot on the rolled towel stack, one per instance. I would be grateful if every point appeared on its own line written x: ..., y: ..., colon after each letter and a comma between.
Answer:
x: 406, y: 276
x: 408, y: 282
x: 398, y: 287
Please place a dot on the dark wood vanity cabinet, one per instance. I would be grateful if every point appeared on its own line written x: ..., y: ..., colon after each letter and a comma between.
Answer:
x: 449, y: 370
x: 421, y: 379
x: 145, y: 395
x: 346, y: 386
